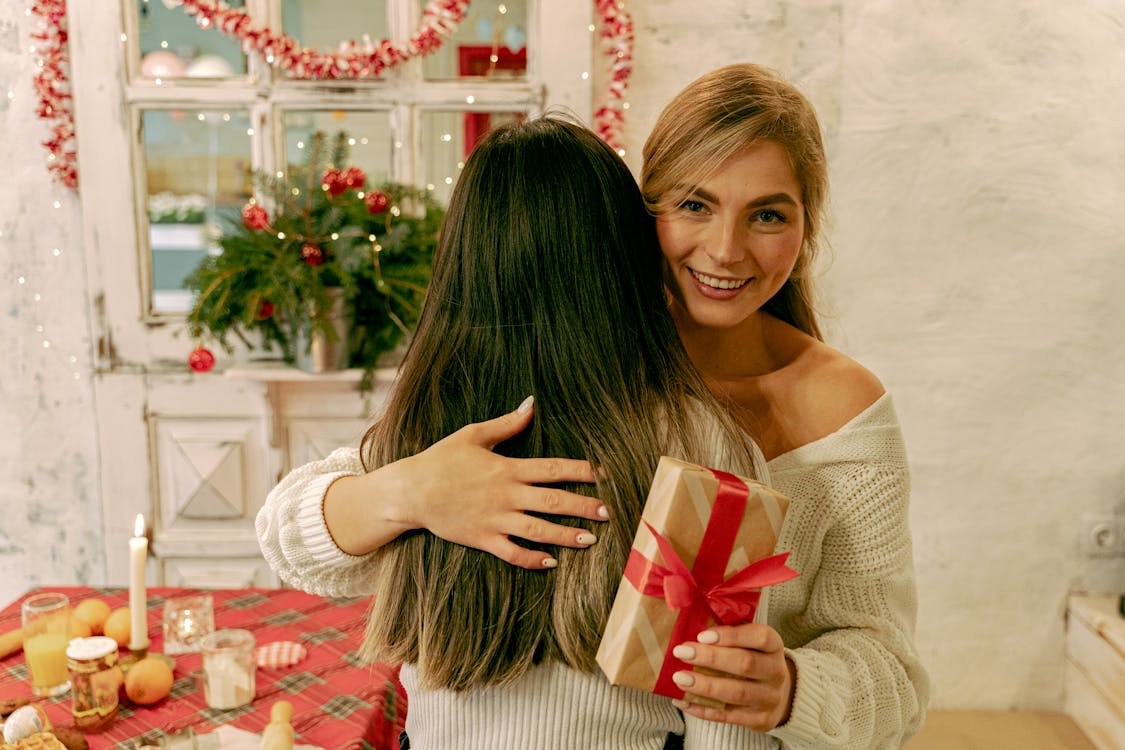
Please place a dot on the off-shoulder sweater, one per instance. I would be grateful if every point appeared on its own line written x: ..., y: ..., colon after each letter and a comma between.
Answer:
x: 847, y: 621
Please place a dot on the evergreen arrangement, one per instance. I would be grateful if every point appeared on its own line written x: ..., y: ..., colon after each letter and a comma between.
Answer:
x: 319, y: 227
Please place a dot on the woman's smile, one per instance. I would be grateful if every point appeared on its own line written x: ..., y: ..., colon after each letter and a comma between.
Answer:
x: 718, y: 287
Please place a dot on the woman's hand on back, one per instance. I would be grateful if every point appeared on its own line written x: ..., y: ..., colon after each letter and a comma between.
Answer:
x: 465, y: 493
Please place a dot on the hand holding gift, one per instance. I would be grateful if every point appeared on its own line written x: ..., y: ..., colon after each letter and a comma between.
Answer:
x: 741, y: 672
x: 700, y: 559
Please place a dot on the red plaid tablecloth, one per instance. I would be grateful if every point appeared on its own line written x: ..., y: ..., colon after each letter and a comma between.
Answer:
x: 338, y: 704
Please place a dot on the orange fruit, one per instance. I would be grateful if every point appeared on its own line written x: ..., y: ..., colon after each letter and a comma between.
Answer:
x: 94, y: 613
x: 148, y: 681
x: 79, y: 628
x: 117, y: 626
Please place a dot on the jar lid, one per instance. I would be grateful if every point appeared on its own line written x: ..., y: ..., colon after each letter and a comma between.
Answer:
x: 93, y: 647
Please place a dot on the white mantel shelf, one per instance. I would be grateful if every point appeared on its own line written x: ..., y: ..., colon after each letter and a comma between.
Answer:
x: 275, y: 372
x: 276, y: 376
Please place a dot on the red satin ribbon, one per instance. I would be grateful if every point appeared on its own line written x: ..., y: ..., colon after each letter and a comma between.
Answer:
x: 701, y: 593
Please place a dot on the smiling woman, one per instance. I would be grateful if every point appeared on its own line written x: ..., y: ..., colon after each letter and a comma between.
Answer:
x: 734, y: 237
x: 735, y: 174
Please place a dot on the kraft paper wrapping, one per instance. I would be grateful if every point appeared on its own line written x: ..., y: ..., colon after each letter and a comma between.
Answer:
x: 636, y: 644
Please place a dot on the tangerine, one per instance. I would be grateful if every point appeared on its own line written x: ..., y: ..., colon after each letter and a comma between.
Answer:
x: 94, y: 613
x: 148, y: 681
x: 78, y: 628
x: 117, y: 626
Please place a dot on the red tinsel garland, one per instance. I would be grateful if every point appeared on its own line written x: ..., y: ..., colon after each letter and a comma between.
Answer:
x: 52, y: 87
x: 617, y: 41
x: 439, y: 19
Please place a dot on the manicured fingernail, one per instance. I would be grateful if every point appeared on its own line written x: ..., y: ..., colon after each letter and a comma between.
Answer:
x: 683, y: 679
x: 603, y: 512
x: 708, y: 636
x: 550, y: 562
x: 525, y: 407
x: 586, y: 538
x: 683, y: 651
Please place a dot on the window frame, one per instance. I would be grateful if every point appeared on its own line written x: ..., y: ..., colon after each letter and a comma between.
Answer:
x: 110, y: 96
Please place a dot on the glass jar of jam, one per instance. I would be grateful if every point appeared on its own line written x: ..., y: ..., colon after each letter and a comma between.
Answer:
x: 95, y: 679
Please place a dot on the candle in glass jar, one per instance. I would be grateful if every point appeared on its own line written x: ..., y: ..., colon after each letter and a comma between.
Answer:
x: 138, y: 608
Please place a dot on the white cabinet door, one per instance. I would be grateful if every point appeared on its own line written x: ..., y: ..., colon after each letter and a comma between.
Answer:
x: 217, y: 573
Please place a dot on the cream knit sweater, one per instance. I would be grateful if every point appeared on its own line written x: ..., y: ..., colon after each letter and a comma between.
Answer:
x: 847, y: 620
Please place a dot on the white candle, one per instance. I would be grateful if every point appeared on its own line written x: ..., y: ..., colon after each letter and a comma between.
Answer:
x: 138, y: 609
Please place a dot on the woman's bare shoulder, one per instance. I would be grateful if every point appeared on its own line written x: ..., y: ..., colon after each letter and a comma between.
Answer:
x: 828, y: 389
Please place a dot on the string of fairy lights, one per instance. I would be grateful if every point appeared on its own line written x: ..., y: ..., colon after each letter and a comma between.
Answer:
x: 36, y: 278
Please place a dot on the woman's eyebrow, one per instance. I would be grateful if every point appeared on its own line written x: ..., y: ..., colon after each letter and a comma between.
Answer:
x: 766, y: 200
x: 763, y: 200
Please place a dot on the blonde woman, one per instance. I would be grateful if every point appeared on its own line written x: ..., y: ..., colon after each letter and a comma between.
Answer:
x: 735, y: 175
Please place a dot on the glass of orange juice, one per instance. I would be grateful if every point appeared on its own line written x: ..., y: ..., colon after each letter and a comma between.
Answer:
x: 46, y: 621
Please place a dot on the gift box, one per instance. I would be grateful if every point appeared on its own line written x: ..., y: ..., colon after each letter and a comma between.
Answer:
x: 702, y: 555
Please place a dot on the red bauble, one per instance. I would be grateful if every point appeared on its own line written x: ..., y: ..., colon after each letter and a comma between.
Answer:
x: 201, y: 359
x: 377, y: 201
x: 265, y: 309
x: 354, y: 177
x: 255, y: 217
x: 334, y: 181
x: 312, y: 254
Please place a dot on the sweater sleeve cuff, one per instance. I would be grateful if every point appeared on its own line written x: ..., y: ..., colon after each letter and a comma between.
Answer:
x: 310, y: 520
x: 808, y: 724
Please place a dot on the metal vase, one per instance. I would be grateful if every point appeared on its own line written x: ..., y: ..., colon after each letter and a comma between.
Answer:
x: 320, y: 354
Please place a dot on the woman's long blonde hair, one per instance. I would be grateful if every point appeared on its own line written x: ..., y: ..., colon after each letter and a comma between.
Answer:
x: 547, y: 281
x: 715, y: 117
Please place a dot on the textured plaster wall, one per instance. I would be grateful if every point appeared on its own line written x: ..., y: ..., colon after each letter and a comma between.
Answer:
x: 977, y: 250
x: 50, y: 511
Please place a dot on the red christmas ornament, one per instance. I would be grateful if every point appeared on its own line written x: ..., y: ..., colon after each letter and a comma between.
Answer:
x: 265, y: 309
x: 254, y: 216
x: 312, y: 254
x: 201, y: 359
x: 334, y: 181
x: 377, y: 201
x: 354, y: 177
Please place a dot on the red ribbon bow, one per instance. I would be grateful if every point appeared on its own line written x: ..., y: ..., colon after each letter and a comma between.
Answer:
x: 732, y: 601
x: 701, y: 593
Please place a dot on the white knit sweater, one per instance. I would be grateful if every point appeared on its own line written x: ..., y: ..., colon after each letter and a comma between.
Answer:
x: 847, y: 620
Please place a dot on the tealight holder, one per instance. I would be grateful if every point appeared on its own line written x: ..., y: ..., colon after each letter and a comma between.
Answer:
x: 187, y: 621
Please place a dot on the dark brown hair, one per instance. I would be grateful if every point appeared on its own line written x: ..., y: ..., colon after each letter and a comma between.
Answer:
x: 547, y: 281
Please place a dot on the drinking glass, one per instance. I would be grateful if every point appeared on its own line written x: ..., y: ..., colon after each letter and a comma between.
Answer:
x: 229, y: 668
x: 187, y: 619
x: 46, y: 625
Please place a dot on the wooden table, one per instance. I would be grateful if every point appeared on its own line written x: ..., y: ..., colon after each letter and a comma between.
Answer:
x: 338, y: 703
